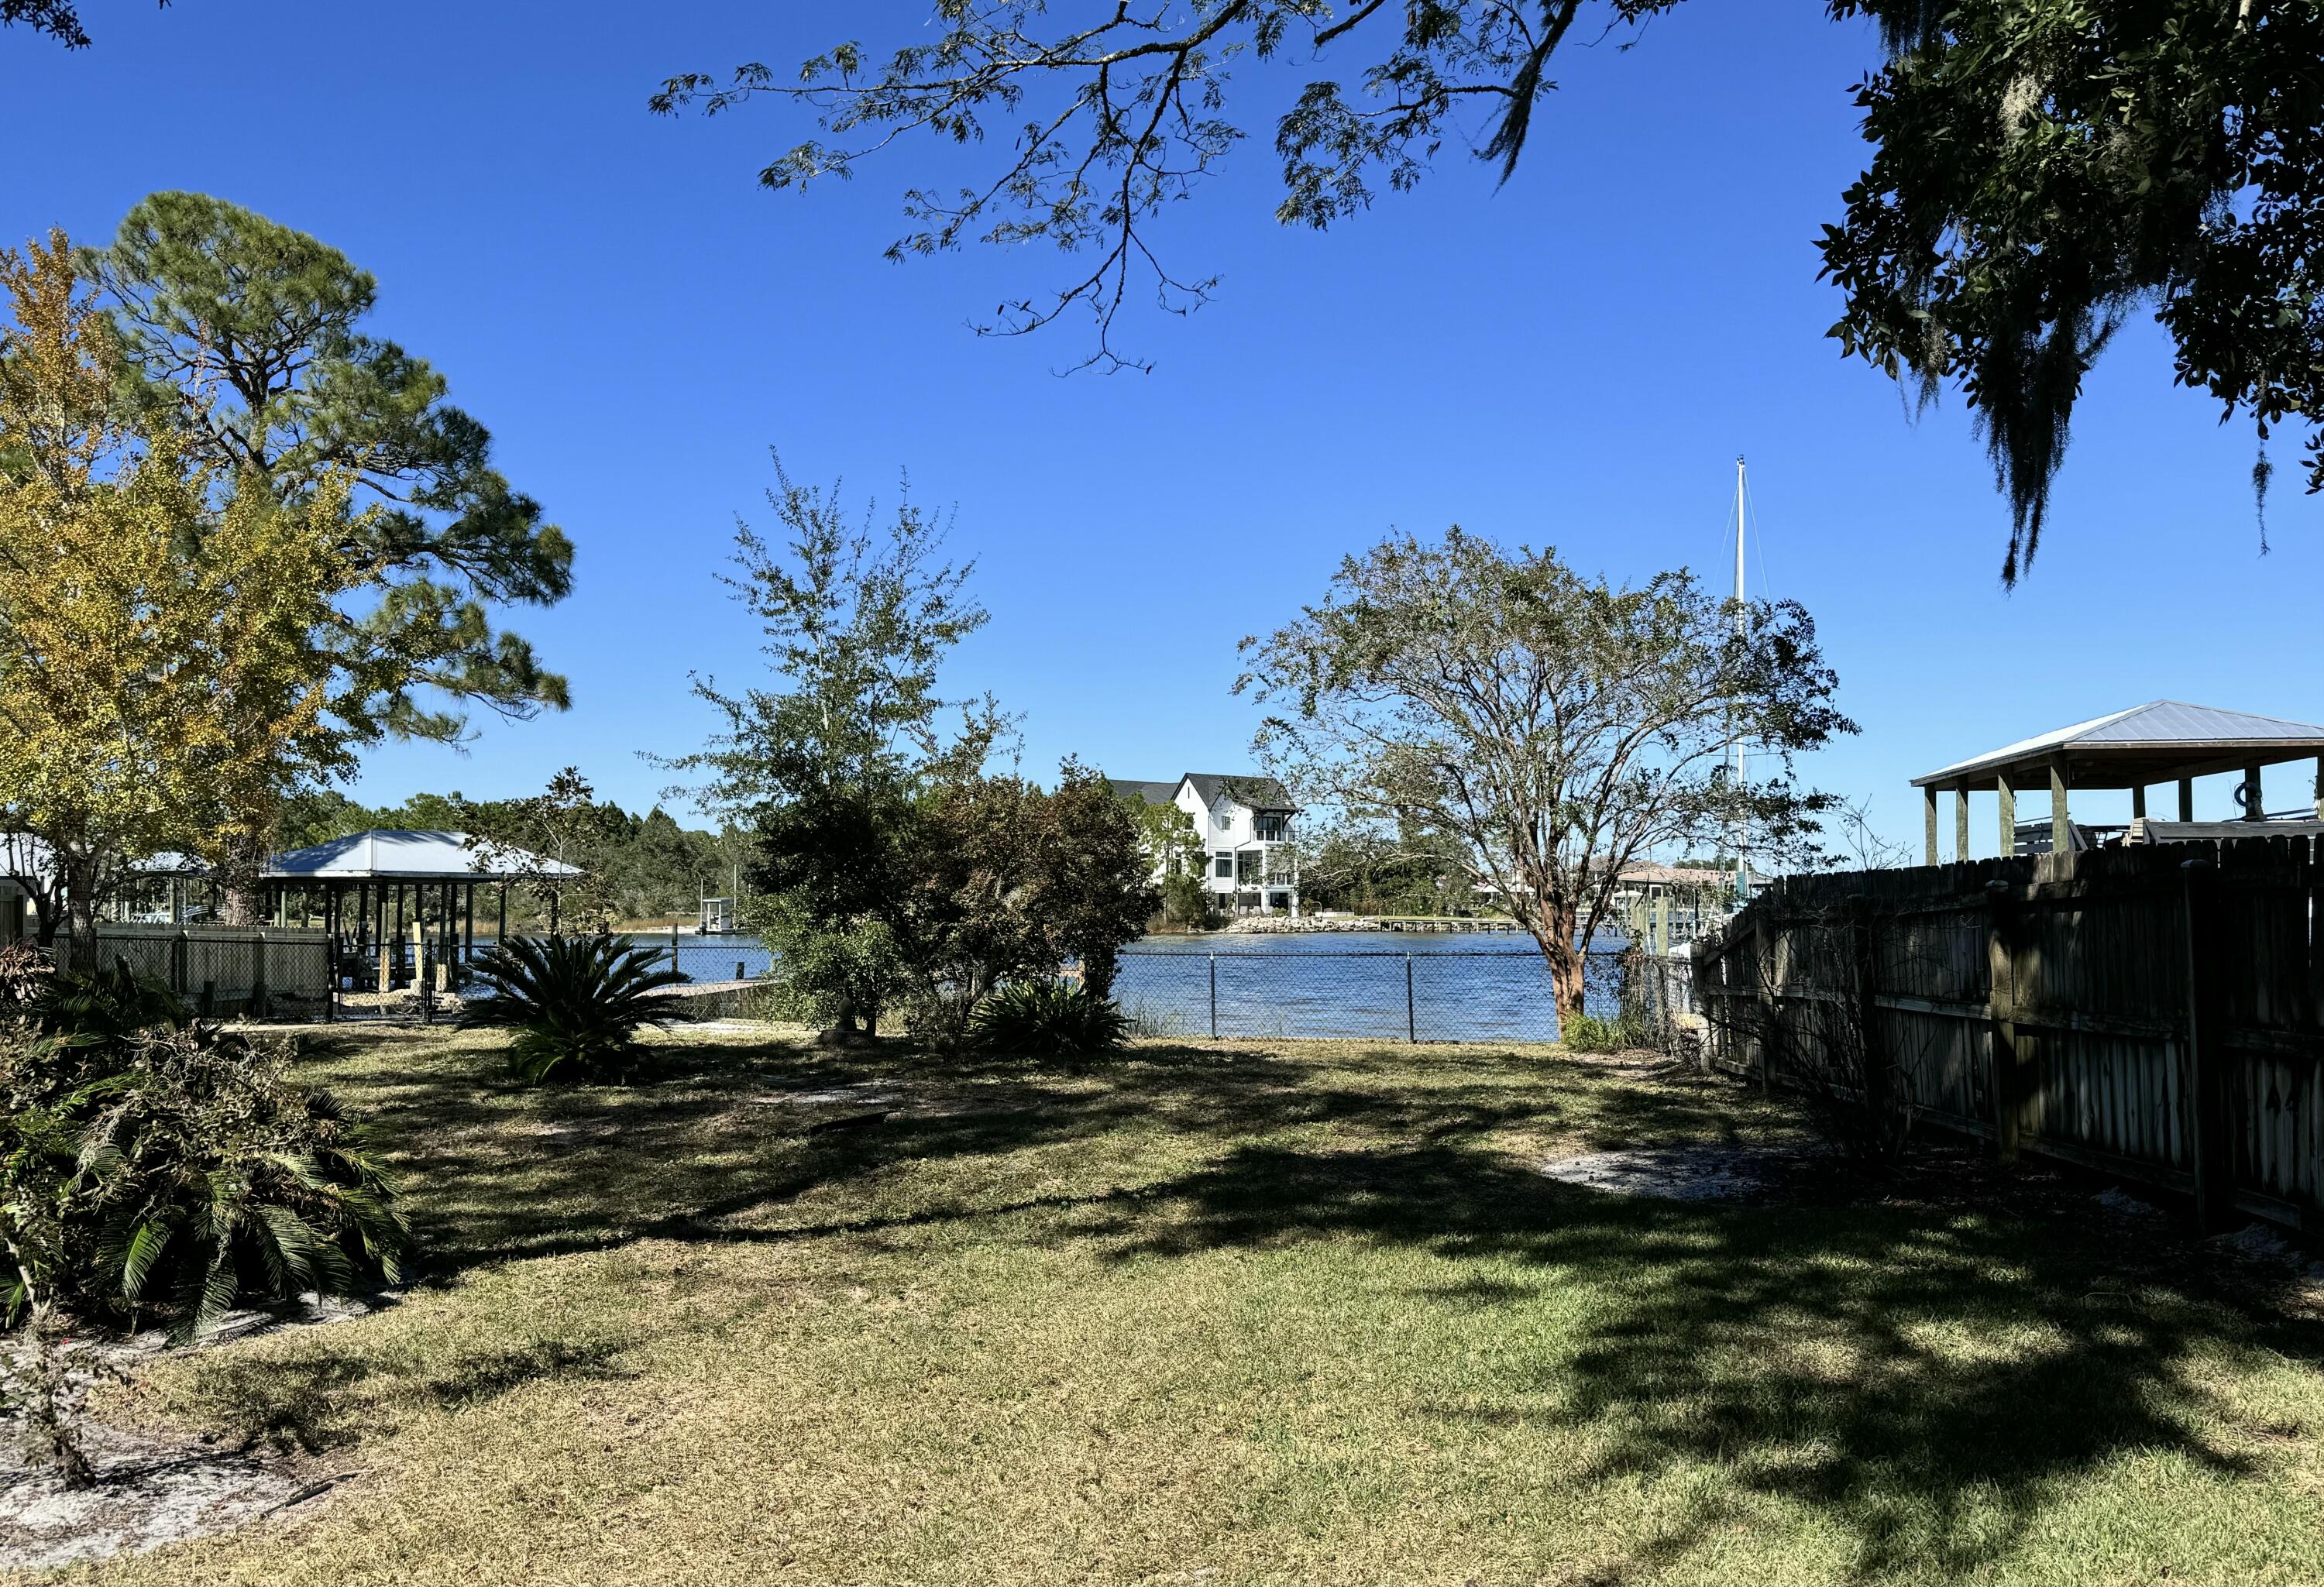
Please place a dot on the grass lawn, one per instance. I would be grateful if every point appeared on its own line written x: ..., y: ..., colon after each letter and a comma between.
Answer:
x: 1236, y: 1313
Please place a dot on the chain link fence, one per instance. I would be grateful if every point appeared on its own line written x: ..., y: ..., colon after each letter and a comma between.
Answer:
x: 243, y: 972
x: 1438, y: 995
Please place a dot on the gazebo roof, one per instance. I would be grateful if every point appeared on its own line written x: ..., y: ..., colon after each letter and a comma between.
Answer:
x: 2155, y: 742
x: 391, y: 855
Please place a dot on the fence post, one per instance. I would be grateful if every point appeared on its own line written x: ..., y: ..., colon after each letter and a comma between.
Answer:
x: 2207, y: 1059
x: 1214, y: 997
x: 177, y: 951
x: 673, y: 946
x: 2001, y: 1011
x: 258, y: 975
x: 1411, y: 1024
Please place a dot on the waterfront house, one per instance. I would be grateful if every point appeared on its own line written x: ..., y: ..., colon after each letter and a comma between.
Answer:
x: 1250, y: 865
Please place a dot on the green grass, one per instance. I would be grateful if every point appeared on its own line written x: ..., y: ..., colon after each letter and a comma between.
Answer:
x: 1232, y: 1313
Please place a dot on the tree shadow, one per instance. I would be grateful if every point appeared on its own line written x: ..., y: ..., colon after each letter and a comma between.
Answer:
x: 1928, y: 1369
x: 1930, y: 1378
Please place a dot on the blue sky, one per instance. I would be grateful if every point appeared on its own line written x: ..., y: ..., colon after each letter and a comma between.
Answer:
x: 1574, y: 359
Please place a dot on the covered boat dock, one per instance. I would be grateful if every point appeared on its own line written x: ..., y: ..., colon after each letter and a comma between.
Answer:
x: 2159, y: 744
x: 403, y: 900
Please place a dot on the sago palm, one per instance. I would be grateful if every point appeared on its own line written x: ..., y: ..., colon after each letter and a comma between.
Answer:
x: 576, y: 1004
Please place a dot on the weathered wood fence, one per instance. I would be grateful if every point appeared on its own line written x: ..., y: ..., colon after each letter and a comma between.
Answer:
x: 2151, y: 1012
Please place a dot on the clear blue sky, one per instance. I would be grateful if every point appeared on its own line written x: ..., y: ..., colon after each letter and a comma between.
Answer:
x: 1574, y: 359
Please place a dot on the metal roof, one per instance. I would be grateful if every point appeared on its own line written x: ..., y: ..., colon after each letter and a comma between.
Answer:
x: 2160, y: 739
x: 389, y: 855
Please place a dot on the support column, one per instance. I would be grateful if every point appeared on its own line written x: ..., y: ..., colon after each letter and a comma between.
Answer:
x: 1928, y: 812
x: 2062, y: 838
x: 2008, y: 815
x: 2319, y: 787
x: 2255, y: 807
x: 2186, y: 798
x: 1960, y: 824
x: 2138, y: 801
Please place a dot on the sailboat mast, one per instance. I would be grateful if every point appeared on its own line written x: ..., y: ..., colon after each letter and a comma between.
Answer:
x: 1742, y: 871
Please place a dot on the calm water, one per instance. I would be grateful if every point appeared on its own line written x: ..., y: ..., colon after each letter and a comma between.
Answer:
x: 1386, y: 986
x: 1483, y: 987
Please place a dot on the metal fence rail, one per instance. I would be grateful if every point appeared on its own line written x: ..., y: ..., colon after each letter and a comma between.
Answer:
x: 1355, y: 994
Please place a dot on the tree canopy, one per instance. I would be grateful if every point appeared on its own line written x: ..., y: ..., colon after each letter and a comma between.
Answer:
x: 248, y: 336
x: 166, y: 663
x: 1544, y: 730
x: 2041, y: 168
x: 58, y: 19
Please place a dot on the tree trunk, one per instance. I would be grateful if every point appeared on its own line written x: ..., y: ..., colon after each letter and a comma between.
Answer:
x: 1566, y: 962
x: 1099, y: 967
x: 243, y: 904
x: 79, y: 875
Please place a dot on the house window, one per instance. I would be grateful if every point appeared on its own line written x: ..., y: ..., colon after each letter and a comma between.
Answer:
x: 1273, y: 827
x: 1247, y: 866
x: 1222, y: 867
x: 1226, y: 818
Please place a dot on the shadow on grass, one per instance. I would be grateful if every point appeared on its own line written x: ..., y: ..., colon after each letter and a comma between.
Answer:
x: 1928, y: 1377
x: 324, y: 1400
x: 1931, y: 1381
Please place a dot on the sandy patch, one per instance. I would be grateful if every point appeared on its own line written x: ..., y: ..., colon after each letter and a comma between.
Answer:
x: 1708, y: 1172
x: 150, y: 1491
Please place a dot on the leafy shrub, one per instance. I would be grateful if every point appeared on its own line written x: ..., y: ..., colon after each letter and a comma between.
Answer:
x: 110, y: 1004
x: 182, y: 1171
x: 1588, y: 1033
x: 1047, y: 1018
x: 575, y: 1003
x: 213, y: 1177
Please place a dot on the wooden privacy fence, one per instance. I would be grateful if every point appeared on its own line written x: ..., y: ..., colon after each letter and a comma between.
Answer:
x: 274, y: 971
x: 2151, y: 1012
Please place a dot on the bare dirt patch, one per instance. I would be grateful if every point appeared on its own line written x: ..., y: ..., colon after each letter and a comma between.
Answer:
x: 148, y: 1491
x: 1707, y: 1171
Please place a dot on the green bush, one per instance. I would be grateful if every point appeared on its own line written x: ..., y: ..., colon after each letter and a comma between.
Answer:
x: 1588, y: 1033
x: 181, y: 1172
x: 213, y: 1178
x: 575, y: 1002
x: 111, y: 1003
x: 1046, y: 1019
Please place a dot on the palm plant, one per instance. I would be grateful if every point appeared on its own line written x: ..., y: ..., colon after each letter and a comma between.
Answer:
x: 575, y: 1002
x: 1047, y: 1018
x: 209, y: 1178
x: 107, y: 1004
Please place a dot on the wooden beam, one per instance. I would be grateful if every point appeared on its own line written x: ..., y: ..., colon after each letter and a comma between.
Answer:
x: 2062, y: 838
x: 2008, y: 816
x: 1960, y: 824
x: 2319, y: 787
x: 1929, y: 800
x: 2255, y: 806
x: 2138, y: 801
x: 2186, y: 798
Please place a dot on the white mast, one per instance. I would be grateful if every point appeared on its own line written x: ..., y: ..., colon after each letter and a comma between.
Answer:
x: 1742, y: 869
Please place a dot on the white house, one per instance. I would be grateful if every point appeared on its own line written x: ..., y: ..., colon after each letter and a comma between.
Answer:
x: 1244, y: 825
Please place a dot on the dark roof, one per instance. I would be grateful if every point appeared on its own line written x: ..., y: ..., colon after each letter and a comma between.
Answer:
x: 2151, y: 742
x: 1153, y: 793
x: 1259, y: 793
